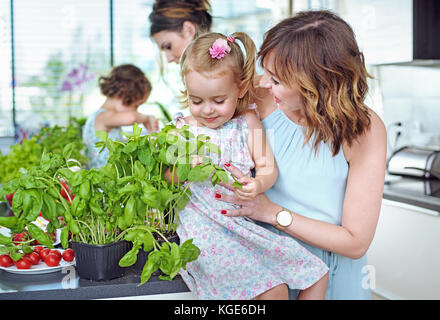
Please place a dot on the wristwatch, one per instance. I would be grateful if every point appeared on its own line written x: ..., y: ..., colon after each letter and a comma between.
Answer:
x: 284, y: 219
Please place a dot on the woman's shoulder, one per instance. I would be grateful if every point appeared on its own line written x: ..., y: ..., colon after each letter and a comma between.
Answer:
x: 372, y: 142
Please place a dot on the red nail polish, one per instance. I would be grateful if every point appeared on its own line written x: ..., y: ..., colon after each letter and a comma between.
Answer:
x: 218, y: 195
x: 227, y: 164
x: 223, y: 212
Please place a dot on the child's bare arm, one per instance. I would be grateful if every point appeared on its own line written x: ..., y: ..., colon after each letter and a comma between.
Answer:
x: 168, y: 173
x: 265, y: 166
x: 109, y: 119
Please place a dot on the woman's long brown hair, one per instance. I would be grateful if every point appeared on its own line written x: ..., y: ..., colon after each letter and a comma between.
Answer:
x: 316, y: 51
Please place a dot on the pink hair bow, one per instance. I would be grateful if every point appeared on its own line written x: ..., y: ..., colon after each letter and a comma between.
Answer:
x: 219, y: 49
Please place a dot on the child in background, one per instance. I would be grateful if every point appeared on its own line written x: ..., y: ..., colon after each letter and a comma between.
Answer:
x: 239, y: 259
x: 126, y: 88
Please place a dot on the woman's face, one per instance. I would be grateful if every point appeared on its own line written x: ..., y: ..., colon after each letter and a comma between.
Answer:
x: 287, y: 98
x: 173, y: 43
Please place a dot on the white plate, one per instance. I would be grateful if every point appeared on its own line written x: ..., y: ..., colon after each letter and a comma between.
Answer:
x: 41, y: 267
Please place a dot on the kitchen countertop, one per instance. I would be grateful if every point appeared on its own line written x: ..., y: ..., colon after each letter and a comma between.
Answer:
x: 58, y: 286
x: 413, y: 191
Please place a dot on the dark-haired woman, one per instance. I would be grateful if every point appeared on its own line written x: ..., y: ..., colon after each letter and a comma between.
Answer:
x: 329, y: 146
x: 175, y: 23
x: 125, y: 89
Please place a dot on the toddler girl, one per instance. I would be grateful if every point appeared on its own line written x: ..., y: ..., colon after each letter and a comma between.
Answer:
x: 238, y: 259
x: 125, y: 88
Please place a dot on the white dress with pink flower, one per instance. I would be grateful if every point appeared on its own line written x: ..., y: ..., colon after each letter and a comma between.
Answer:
x: 239, y: 259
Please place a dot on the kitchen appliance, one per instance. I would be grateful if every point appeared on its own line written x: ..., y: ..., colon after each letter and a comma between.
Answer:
x: 415, y: 162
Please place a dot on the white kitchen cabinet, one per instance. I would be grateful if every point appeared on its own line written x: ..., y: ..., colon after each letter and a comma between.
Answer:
x: 383, y: 28
x: 405, y: 253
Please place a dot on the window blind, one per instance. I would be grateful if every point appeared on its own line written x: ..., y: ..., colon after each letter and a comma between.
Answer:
x: 6, y: 119
x: 60, y: 48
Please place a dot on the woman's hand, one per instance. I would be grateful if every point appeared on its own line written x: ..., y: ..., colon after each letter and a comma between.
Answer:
x: 258, y: 208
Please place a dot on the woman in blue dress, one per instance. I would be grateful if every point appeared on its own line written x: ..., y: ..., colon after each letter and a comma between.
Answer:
x: 330, y: 147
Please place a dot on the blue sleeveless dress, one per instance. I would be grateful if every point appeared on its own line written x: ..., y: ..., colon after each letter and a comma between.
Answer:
x: 313, y: 185
x: 97, y: 159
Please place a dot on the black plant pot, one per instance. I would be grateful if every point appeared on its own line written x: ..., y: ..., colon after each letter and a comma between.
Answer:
x: 142, y: 256
x: 100, y: 262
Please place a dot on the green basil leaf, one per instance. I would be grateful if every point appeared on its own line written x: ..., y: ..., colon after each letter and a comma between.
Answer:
x: 129, y: 258
x: 65, y: 237
x: 40, y: 235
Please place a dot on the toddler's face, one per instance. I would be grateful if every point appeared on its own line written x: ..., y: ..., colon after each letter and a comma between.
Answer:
x: 212, y: 97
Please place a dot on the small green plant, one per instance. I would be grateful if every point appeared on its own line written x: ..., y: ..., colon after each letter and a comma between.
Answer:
x: 128, y: 198
x: 23, y: 157
x: 151, y: 204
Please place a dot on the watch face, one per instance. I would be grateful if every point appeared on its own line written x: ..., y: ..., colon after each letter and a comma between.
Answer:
x: 284, y: 218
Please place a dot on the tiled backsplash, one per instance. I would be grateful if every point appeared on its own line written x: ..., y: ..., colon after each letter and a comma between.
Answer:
x: 410, y: 95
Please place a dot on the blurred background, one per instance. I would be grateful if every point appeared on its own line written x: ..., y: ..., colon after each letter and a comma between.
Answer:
x: 52, y: 53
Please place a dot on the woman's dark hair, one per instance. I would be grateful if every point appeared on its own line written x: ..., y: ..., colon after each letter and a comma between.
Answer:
x: 127, y: 82
x: 170, y: 15
x: 316, y: 51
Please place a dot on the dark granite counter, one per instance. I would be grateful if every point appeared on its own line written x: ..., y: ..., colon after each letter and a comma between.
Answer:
x: 66, y: 285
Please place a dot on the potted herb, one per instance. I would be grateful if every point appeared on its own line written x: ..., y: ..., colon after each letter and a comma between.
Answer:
x: 151, y: 204
x: 126, y: 203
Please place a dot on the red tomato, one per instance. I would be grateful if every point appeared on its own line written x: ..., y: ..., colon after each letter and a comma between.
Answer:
x: 9, y: 197
x: 38, y: 249
x: 65, y: 190
x: 19, y: 237
x: 5, y: 261
x: 23, y: 263
x: 34, y: 257
x: 56, y: 252
x: 52, y: 260
x: 44, y: 253
x: 68, y: 255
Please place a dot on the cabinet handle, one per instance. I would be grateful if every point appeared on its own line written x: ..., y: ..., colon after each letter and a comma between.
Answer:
x: 407, y: 206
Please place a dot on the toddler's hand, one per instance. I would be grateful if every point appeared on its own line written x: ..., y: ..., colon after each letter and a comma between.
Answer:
x: 152, y: 124
x: 251, y: 188
x: 195, y: 160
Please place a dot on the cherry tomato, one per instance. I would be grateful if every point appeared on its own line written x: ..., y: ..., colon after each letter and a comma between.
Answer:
x: 65, y: 191
x: 34, y: 257
x: 56, y: 252
x: 38, y: 249
x: 44, y: 253
x: 19, y: 237
x: 23, y: 263
x: 9, y: 197
x: 5, y: 261
x: 52, y: 260
x: 68, y: 255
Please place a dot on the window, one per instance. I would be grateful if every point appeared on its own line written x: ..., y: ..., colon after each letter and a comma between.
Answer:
x: 62, y: 47
x: 6, y: 119
x: 59, y: 48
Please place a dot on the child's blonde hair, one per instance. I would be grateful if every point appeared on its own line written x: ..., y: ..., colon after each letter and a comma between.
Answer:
x: 197, y: 57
